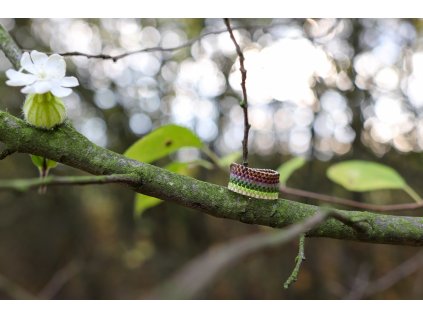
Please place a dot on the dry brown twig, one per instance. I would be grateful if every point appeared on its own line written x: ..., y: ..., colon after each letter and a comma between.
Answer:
x: 117, y: 57
x: 351, y: 203
x: 364, y: 288
x: 59, y: 279
x: 53, y: 286
x: 194, y: 277
x: 244, y: 102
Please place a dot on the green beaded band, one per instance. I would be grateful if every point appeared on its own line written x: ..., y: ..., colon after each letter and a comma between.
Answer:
x: 253, y: 182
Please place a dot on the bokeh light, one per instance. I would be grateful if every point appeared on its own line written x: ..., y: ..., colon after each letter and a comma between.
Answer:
x: 301, y: 76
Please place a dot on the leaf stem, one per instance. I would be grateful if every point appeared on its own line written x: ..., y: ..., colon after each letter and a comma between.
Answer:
x: 213, y: 157
x: 413, y: 194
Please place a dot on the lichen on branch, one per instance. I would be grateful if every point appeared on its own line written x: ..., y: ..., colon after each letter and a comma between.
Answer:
x: 9, y: 47
x: 69, y: 147
x: 66, y: 145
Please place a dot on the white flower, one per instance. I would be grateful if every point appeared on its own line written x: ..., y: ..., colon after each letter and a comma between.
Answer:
x: 45, y: 74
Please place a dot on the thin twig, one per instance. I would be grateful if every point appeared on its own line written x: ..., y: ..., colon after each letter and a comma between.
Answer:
x: 59, y: 279
x: 115, y: 58
x: 6, y: 152
x: 360, y: 283
x: 351, y: 203
x: 23, y: 185
x: 14, y: 290
x: 298, y: 261
x: 404, y: 270
x: 364, y: 288
x: 42, y: 189
x: 200, y: 272
x: 244, y: 102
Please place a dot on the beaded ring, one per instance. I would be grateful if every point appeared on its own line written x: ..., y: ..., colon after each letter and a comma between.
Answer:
x: 253, y: 182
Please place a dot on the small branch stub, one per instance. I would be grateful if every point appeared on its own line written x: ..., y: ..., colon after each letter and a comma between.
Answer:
x: 298, y: 261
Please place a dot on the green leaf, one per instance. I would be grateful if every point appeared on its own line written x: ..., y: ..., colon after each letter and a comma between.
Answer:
x: 360, y: 176
x: 162, y: 142
x: 144, y: 202
x: 226, y: 161
x: 38, y: 162
x: 289, y: 167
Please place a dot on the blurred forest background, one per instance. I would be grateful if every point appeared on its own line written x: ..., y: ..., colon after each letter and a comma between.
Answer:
x: 326, y: 89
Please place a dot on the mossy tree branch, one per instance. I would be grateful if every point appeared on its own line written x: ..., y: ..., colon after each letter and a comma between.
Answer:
x: 67, y: 146
x: 9, y: 47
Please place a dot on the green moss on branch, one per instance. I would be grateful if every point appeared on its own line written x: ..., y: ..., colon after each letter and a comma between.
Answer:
x: 67, y: 146
x: 9, y: 47
x: 71, y: 148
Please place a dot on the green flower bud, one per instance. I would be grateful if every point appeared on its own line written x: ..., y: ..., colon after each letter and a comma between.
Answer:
x: 44, y: 111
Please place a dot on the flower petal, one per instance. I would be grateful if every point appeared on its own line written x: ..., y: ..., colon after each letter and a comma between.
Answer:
x: 28, y: 89
x: 41, y: 87
x: 19, y: 79
x: 39, y: 58
x: 55, y: 67
x: 69, y: 81
x: 27, y: 64
x: 59, y: 91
